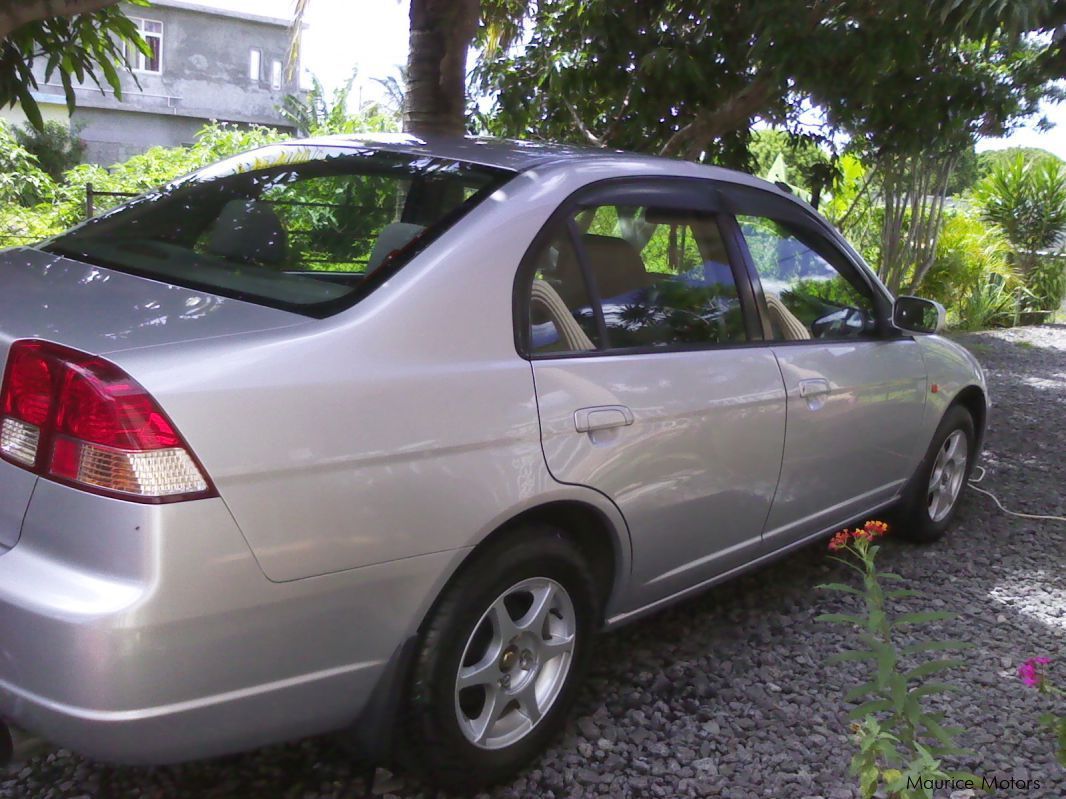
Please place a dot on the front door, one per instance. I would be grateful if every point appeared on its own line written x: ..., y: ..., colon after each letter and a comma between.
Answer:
x: 856, y: 390
x: 634, y: 330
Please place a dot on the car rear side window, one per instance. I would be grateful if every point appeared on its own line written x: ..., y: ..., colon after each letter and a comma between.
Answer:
x: 307, y: 229
x: 561, y: 314
x: 662, y: 278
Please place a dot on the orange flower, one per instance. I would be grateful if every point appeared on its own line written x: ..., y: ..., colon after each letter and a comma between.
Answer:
x: 874, y: 529
x: 840, y: 540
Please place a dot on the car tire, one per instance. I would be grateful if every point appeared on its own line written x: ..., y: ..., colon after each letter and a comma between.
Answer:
x: 931, y: 504
x: 522, y: 668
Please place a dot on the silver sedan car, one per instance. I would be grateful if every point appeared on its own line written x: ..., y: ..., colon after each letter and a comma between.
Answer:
x: 374, y: 435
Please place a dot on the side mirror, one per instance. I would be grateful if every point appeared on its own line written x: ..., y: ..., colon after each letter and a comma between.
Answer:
x: 917, y: 315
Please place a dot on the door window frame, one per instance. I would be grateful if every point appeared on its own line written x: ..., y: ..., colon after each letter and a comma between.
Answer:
x: 685, y: 194
x: 751, y: 201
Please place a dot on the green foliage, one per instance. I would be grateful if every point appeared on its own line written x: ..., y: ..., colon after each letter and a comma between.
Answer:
x: 808, y: 168
x: 688, y: 77
x: 62, y: 205
x: 850, y: 206
x: 992, y: 159
x: 965, y: 174
x: 897, y: 736
x: 56, y: 146
x: 318, y: 113
x: 1026, y: 200
x: 991, y: 302
x: 22, y: 181
x: 876, y: 746
x: 154, y: 167
x: 83, y: 48
x: 333, y: 222
x: 971, y: 274
x: 1046, y: 283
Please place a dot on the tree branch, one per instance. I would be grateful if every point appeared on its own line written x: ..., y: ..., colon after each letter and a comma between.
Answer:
x: 714, y: 122
x: 593, y: 139
x: 14, y: 14
x: 606, y: 137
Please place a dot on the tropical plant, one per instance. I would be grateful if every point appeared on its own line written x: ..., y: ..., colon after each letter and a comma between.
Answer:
x: 804, y: 164
x: 900, y: 742
x: 967, y: 252
x: 1026, y: 199
x: 395, y: 88
x: 319, y: 112
x: 80, y: 40
x: 1046, y: 283
x: 913, y: 189
x: 850, y: 206
x: 991, y: 301
x: 991, y: 159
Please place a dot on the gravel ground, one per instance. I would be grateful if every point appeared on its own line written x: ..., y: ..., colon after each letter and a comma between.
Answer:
x: 728, y: 694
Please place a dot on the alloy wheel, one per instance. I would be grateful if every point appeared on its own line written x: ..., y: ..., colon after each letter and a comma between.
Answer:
x: 949, y: 471
x: 515, y: 663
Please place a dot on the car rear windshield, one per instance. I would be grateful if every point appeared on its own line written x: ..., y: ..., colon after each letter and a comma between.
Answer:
x: 307, y: 229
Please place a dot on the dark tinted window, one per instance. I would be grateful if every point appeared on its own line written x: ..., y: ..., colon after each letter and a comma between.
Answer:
x: 560, y: 313
x: 301, y: 228
x: 663, y: 277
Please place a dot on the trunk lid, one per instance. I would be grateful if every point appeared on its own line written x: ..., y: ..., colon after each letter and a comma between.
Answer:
x: 100, y: 310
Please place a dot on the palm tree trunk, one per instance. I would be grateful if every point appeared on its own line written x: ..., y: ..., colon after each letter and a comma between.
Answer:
x: 441, y: 33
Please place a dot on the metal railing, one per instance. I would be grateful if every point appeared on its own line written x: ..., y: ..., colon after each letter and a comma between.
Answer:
x: 91, y: 194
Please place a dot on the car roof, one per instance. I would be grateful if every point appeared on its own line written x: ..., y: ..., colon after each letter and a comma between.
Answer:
x: 518, y: 156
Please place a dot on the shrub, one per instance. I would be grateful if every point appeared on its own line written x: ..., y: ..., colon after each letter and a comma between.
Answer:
x: 22, y: 180
x: 972, y: 275
x: 56, y: 146
x: 1046, y: 283
x: 33, y: 206
x: 1026, y: 200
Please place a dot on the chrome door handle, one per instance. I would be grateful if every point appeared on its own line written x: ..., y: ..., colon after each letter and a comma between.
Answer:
x: 602, y: 417
x: 814, y: 387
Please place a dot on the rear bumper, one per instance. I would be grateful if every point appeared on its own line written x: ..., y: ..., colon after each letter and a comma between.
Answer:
x: 148, y: 634
x: 200, y: 728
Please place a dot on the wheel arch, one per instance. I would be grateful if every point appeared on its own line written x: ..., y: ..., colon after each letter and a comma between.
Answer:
x: 974, y: 400
x: 588, y: 527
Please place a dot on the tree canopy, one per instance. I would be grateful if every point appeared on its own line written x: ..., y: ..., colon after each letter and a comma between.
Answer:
x: 690, y: 77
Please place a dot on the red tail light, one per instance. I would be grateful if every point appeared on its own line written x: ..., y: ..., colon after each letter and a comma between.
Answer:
x: 79, y: 419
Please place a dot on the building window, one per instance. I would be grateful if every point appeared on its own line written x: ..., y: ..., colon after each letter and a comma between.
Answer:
x: 275, y: 74
x: 255, y: 64
x: 152, y: 32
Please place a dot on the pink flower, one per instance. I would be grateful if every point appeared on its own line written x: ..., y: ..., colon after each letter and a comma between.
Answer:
x: 1030, y: 671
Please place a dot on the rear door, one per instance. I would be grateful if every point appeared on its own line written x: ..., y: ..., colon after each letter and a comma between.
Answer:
x: 856, y: 386
x: 637, y: 316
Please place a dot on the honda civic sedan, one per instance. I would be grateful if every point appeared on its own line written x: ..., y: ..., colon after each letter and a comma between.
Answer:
x: 375, y: 435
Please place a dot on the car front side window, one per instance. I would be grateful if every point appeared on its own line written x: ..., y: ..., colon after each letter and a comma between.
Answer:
x: 808, y: 293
